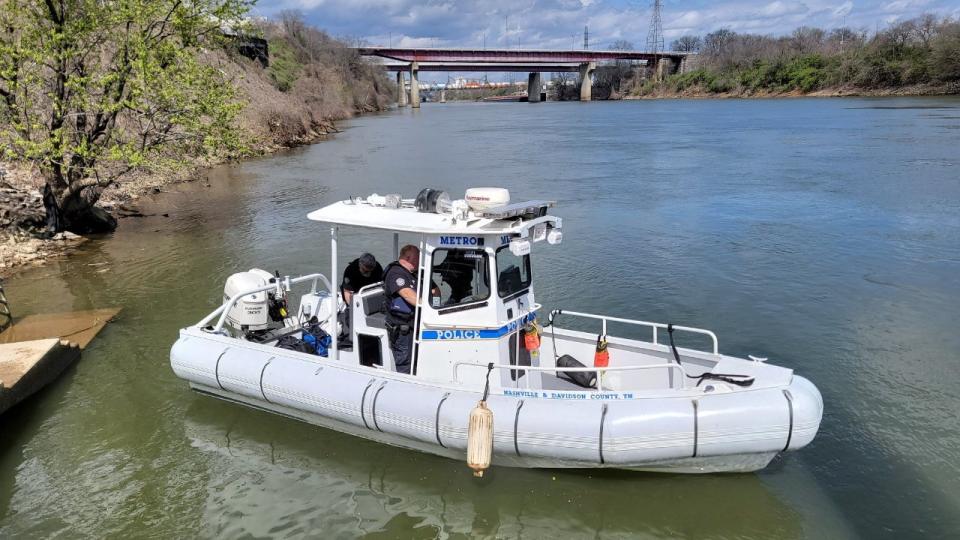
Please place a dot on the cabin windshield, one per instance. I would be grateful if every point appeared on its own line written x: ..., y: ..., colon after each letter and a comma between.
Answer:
x: 461, y: 275
x: 513, y: 273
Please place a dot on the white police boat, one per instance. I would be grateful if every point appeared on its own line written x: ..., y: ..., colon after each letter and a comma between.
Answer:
x: 559, y: 397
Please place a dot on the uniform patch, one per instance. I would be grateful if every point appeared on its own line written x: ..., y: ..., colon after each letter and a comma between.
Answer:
x: 401, y: 282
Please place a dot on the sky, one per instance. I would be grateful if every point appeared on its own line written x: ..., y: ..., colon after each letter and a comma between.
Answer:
x: 554, y: 24
x: 559, y: 24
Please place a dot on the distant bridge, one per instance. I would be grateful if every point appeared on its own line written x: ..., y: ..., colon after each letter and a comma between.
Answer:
x: 533, y: 61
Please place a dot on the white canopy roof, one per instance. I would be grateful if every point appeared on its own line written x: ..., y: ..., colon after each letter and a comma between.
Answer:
x: 361, y: 214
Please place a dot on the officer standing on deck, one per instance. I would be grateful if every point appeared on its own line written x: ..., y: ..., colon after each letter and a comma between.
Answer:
x: 361, y: 272
x: 400, y: 288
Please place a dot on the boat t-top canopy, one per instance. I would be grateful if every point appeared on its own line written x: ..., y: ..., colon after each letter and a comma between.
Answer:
x: 402, y: 215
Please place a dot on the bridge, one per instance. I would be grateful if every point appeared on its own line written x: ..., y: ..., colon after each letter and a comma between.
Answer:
x: 532, y: 61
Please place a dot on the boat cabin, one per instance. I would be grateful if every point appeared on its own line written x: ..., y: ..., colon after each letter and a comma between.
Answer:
x: 476, y: 288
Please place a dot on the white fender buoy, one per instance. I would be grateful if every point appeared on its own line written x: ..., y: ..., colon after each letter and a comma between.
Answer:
x: 480, y: 433
x: 480, y: 439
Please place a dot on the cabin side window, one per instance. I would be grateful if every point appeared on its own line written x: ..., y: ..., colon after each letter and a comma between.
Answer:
x: 513, y: 273
x: 461, y: 276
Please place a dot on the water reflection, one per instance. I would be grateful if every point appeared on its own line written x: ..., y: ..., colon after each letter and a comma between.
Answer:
x: 284, y: 476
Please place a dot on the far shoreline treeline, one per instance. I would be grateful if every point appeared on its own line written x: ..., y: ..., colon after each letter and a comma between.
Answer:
x: 916, y: 56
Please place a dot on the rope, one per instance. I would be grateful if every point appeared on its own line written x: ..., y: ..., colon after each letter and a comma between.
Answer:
x: 486, y: 387
x: 739, y: 380
x: 4, y: 310
x: 553, y: 333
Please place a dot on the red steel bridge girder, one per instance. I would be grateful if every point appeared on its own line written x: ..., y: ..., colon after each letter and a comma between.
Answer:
x: 491, y: 56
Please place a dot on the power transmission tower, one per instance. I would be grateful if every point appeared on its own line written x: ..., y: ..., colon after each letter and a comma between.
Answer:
x: 655, y: 33
x: 586, y: 38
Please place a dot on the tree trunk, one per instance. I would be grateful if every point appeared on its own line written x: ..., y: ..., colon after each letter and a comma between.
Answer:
x: 75, y: 213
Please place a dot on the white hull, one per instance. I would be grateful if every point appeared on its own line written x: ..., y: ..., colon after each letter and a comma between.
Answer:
x: 691, y: 465
x: 679, y: 431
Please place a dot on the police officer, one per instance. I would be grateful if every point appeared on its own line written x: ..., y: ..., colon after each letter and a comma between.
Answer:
x: 362, y: 271
x: 400, y: 291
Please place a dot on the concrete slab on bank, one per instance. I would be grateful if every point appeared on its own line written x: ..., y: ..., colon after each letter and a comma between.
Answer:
x: 38, y: 348
x: 77, y: 327
x: 28, y: 366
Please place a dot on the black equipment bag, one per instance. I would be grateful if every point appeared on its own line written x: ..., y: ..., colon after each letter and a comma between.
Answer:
x: 586, y: 379
x: 294, y: 343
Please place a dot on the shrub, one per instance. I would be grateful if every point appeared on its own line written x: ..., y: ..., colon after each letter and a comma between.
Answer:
x: 284, y: 67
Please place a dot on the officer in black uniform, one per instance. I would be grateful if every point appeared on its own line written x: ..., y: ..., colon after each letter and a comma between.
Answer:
x: 400, y: 295
x: 362, y: 271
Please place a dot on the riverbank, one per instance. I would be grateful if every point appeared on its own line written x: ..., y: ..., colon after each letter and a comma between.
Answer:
x: 310, y: 82
x: 701, y: 92
x: 24, y: 242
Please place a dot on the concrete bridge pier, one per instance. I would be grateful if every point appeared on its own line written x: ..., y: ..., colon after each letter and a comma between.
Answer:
x: 586, y: 80
x: 401, y: 90
x: 664, y: 66
x: 533, y: 87
x: 414, y: 86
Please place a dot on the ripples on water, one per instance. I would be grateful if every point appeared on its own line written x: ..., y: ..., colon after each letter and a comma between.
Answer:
x: 823, y: 233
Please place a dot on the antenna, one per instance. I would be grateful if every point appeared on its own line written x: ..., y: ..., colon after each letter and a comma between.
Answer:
x: 586, y: 37
x: 655, y: 33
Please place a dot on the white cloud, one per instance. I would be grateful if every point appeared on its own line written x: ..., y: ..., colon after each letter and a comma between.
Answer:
x: 901, y: 5
x: 842, y: 10
x: 778, y: 9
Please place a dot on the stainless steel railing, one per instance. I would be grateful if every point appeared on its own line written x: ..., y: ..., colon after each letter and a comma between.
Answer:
x: 654, y: 326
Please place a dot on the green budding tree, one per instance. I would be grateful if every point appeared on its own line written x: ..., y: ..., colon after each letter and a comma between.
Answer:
x: 92, y: 90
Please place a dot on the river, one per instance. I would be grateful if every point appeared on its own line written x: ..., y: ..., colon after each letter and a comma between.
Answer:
x: 821, y: 233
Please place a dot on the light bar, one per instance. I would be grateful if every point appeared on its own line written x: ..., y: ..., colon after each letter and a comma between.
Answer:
x: 525, y: 209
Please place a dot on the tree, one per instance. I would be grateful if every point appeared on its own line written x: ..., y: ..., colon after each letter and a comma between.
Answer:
x: 716, y: 43
x: 621, y: 68
x: 563, y: 86
x: 806, y: 39
x: 687, y: 44
x: 945, y: 58
x: 91, y: 90
x: 926, y: 28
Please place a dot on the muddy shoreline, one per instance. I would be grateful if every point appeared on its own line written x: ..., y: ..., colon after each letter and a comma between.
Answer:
x: 921, y: 90
x: 23, y: 244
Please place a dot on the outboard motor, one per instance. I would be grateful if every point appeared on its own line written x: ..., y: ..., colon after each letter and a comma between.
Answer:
x: 254, y: 312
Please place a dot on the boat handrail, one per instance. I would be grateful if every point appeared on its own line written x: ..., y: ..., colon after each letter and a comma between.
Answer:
x: 652, y: 325
x: 286, y: 282
x: 600, y: 371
